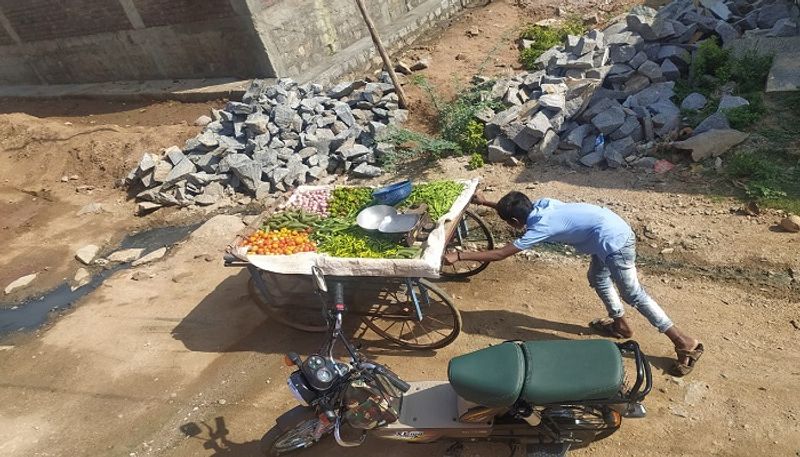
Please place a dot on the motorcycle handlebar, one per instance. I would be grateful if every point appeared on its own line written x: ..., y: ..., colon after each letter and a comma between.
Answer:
x: 338, y: 293
x: 393, y: 378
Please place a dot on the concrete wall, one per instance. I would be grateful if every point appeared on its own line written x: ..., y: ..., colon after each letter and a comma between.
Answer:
x: 305, y: 33
x: 80, y: 41
x: 84, y: 41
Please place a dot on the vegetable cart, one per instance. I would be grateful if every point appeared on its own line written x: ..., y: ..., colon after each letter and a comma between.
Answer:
x: 394, y: 297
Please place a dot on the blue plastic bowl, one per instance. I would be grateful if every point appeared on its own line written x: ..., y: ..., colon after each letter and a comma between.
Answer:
x: 393, y: 193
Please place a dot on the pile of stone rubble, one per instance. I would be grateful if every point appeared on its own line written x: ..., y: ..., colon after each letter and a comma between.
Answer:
x: 279, y: 136
x: 603, y: 97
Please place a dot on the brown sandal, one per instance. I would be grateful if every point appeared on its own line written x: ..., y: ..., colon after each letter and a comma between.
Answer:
x: 682, y: 369
x: 605, y: 327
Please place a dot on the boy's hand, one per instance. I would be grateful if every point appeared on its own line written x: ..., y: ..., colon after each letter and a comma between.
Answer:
x: 450, y: 258
x: 478, y: 199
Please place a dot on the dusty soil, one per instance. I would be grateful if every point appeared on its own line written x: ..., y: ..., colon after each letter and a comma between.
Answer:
x: 93, y: 143
x: 137, y: 361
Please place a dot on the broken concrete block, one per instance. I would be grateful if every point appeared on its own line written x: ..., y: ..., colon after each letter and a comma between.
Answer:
x: 636, y: 83
x: 151, y: 257
x: 552, y: 101
x: 161, y: 171
x: 619, y: 73
x: 652, y: 70
x: 717, y: 121
x: 20, y: 283
x: 621, y: 53
x: 547, y: 147
x: 783, y: 27
x: 678, y: 55
x: 711, y: 143
x: 609, y: 120
x: 694, y: 101
x: 628, y: 129
x: 501, y: 119
x: 731, y: 101
x: 125, y: 255
x: 670, y: 71
x: 616, y: 151
x: 202, y: 121
x: 572, y: 43
x: 585, y: 45
x: 532, y: 132
x: 500, y: 149
x: 145, y: 207
x: 180, y: 171
x: 642, y: 25
x: 637, y: 60
x: 576, y: 63
x: 576, y: 136
x: 246, y: 169
x: 592, y: 159
x: 718, y: 8
x: 87, y: 253
x: 769, y: 15
x: 726, y: 32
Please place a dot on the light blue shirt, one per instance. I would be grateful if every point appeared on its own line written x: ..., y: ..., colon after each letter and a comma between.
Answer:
x: 589, y: 228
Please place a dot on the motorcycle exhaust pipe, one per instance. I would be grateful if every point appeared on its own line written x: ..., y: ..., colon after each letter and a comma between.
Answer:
x: 634, y: 411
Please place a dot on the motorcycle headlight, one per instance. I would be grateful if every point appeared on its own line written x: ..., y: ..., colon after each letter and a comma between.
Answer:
x: 324, y: 375
x: 299, y: 389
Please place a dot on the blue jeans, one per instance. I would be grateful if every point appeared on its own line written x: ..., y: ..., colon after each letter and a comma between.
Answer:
x: 619, y: 269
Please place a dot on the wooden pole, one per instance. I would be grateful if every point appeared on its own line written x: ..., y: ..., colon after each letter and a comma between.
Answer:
x: 401, y: 95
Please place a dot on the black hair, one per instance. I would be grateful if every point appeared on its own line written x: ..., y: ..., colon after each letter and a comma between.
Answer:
x: 514, y: 205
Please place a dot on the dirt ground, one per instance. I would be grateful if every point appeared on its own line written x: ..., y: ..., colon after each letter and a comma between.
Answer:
x: 136, y: 361
x: 91, y: 143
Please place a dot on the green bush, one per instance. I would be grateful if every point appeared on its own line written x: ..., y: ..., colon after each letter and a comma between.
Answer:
x: 711, y: 59
x: 457, y: 121
x: 747, y: 115
x: 476, y: 161
x: 410, y: 145
x: 767, y: 175
x: 750, y: 71
x: 713, y: 66
x: 545, y: 37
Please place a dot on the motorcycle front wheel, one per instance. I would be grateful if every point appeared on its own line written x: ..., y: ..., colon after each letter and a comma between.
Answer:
x: 280, y: 441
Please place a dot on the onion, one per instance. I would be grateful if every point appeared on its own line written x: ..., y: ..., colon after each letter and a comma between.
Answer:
x: 313, y: 201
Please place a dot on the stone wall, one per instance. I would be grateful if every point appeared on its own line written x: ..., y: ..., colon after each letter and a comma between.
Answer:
x: 85, y: 41
x: 82, y: 41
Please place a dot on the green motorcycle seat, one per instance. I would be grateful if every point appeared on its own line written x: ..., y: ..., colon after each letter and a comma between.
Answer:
x: 490, y: 377
x: 564, y: 371
x: 538, y: 372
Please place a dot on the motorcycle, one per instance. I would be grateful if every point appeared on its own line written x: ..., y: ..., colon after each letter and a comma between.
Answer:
x: 550, y: 396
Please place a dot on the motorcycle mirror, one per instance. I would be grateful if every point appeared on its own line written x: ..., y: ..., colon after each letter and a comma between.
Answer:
x: 319, y: 279
x: 190, y: 429
x: 292, y: 359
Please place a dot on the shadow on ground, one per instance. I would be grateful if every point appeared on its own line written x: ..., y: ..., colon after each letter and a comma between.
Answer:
x: 215, y: 438
x: 229, y: 320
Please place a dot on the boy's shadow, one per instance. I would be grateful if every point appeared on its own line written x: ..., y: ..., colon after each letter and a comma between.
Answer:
x: 509, y: 325
x: 217, y: 440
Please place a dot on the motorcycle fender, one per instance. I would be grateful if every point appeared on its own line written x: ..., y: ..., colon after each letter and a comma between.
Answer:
x: 295, y: 415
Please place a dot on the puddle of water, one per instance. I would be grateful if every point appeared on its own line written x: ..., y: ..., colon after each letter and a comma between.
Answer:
x: 34, y: 312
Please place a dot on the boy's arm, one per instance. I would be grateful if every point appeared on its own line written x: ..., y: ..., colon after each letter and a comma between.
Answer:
x: 482, y: 256
x: 479, y: 200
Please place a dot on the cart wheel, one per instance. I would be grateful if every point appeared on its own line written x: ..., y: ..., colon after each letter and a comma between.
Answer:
x: 473, y: 235
x: 393, y: 316
x: 303, y: 318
